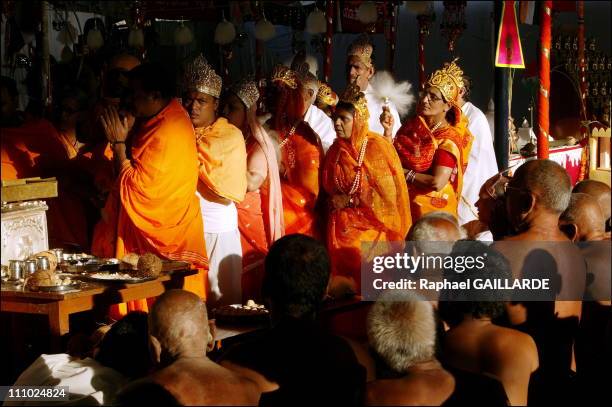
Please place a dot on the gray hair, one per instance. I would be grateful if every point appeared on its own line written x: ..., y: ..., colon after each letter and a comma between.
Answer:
x: 427, y: 236
x: 401, y: 329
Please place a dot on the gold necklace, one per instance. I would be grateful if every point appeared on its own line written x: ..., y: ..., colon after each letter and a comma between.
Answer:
x: 357, y: 180
x: 291, y: 132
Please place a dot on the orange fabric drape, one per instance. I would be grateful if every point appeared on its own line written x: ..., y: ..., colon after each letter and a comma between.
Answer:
x: 222, y: 155
x: 154, y: 207
x: 254, y: 237
x: 382, y: 211
x: 302, y: 156
x: 30, y: 149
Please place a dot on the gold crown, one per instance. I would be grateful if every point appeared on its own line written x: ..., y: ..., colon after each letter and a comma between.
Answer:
x: 200, y: 76
x: 362, y: 49
x: 354, y: 96
x: 285, y: 76
x: 326, y: 95
x: 448, y: 80
x: 247, y: 92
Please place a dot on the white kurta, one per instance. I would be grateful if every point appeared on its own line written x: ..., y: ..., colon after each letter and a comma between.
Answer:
x: 481, y: 163
x: 322, y: 124
x: 375, y: 109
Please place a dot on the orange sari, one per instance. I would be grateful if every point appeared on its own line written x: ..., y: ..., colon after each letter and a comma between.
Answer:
x: 381, y: 209
x: 253, y: 238
x: 302, y: 156
x: 454, y: 139
x: 154, y: 207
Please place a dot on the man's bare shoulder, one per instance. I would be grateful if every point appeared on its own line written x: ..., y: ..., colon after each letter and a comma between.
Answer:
x: 205, y: 382
x: 431, y: 387
x: 511, y: 346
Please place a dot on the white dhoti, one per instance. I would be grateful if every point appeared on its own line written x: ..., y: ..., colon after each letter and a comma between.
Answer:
x: 225, y: 267
x: 224, y: 252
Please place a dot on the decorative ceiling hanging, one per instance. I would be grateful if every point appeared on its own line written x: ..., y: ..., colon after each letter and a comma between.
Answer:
x: 315, y: 22
x: 419, y: 7
x: 95, y: 40
x: 225, y: 32
x: 182, y: 35
x: 136, y: 37
x: 367, y: 12
x: 264, y: 30
x: 68, y: 33
x: 453, y: 22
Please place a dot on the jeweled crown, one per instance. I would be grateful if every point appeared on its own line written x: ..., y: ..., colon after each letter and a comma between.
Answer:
x: 285, y: 76
x: 448, y: 80
x: 353, y: 95
x: 362, y: 49
x: 247, y: 92
x: 326, y: 95
x: 200, y: 76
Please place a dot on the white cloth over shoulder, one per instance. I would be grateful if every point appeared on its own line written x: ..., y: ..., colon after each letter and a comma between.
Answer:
x: 482, y: 164
x: 375, y: 109
x: 88, y: 382
x: 322, y: 124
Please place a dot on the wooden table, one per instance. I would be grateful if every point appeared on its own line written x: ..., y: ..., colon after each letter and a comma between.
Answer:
x: 92, y: 296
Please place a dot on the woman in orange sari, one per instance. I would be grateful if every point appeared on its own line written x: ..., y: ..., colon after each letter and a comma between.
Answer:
x: 434, y: 146
x: 363, y: 176
x: 301, y: 155
x: 260, y: 223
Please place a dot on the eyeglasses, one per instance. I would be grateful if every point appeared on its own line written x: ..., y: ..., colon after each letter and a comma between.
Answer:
x: 430, y: 96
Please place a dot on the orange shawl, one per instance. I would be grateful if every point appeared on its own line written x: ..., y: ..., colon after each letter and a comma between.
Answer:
x: 154, y: 207
x: 382, y: 209
x: 223, y: 159
x: 302, y: 156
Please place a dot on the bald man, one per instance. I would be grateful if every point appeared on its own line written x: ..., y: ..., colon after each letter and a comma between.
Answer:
x: 601, y: 192
x: 536, y: 196
x: 179, y: 337
x: 583, y: 220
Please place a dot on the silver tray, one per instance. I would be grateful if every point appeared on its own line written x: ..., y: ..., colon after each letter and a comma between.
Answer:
x: 89, y: 277
x: 76, y: 285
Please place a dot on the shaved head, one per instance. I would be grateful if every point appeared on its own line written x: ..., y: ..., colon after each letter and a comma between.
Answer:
x: 124, y: 61
x: 178, y: 321
x: 598, y: 190
x: 548, y: 181
x: 584, y: 212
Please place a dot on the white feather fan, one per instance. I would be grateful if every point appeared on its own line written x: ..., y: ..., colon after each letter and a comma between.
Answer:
x: 387, y: 90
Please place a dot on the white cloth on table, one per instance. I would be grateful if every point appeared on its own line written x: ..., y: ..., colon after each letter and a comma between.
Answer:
x: 322, y: 124
x: 375, y: 108
x: 482, y: 164
x: 88, y: 382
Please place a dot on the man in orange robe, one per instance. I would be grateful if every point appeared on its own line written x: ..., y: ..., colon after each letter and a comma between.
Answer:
x: 301, y: 156
x: 153, y: 207
x: 369, y: 202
